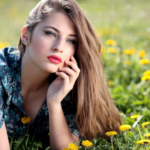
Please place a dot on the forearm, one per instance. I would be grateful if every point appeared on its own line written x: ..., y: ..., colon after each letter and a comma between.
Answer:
x: 60, y: 135
x: 4, y: 142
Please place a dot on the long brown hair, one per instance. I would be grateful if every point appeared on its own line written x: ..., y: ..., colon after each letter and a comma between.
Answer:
x: 96, y: 113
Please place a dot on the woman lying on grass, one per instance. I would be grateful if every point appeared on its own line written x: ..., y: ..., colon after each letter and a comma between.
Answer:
x: 56, y: 78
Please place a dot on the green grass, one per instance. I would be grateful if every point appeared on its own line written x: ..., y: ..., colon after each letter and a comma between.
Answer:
x: 130, y: 17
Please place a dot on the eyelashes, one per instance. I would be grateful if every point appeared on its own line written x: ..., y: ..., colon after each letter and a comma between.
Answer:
x: 50, y: 33
x: 72, y: 41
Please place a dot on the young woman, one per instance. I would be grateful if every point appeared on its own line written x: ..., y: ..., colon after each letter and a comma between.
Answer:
x: 55, y: 77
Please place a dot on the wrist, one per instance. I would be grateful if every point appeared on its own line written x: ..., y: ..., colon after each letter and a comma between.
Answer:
x: 54, y: 108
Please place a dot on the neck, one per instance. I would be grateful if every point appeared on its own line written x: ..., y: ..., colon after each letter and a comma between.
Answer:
x: 33, y: 78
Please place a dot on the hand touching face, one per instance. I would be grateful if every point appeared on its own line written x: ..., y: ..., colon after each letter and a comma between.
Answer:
x: 64, y: 83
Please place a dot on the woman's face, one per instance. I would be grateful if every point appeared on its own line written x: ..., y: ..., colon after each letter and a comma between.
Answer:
x: 55, y: 35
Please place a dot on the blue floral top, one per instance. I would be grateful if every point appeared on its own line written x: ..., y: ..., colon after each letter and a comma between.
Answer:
x: 11, y: 100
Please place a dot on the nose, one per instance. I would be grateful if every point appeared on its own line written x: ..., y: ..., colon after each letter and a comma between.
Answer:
x: 58, y: 45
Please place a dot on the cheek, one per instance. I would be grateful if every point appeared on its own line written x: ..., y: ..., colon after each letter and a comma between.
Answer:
x: 40, y: 45
x: 68, y: 54
x: 70, y: 50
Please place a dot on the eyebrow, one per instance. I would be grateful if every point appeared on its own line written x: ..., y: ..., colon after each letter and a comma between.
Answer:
x: 58, y: 31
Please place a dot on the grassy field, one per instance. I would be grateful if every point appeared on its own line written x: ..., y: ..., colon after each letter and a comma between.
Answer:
x: 129, y: 17
x: 123, y: 27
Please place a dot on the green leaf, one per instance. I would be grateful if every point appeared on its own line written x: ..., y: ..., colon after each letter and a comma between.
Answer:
x: 78, y: 143
x: 20, y: 140
x: 23, y: 147
x: 26, y: 143
x: 11, y: 142
x: 17, y: 142
x: 74, y: 141
x: 47, y: 148
x: 39, y: 144
x: 94, y: 141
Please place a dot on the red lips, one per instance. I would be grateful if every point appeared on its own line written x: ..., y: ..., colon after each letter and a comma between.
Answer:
x: 54, y: 59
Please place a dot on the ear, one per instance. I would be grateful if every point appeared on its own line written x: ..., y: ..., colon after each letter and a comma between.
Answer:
x: 25, y: 35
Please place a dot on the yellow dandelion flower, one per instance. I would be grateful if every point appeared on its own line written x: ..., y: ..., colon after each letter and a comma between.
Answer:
x: 87, y: 143
x: 142, y: 53
x: 140, y: 142
x: 147, y: 134
x: 25, y: 120
x: 127, y: 62
x: 146, y: 73
x: 111, y: 133
x: 135, y: 116
x: 144, y: 61
x: 66, y: 149
x: 143, y: 141
x: 144, y: 78
x: 111, y: 42
x: 144, y: 124
x: 72, y: 146
x: 3, y: 44
x: 125, y: 127
x: 129, y: 51
x: 112, y: 50
x: 146, y: 141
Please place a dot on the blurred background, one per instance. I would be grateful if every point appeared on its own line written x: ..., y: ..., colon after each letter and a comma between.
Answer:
x: 129, y: 20
x: 123, y: 27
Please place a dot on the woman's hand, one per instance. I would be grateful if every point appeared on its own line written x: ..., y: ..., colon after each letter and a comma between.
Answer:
x: 64, y: 83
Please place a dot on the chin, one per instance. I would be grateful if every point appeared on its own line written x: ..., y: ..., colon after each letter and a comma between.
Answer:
x: 50, y: 68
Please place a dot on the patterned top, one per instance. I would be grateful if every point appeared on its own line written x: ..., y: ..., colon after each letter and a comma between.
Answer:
x: 11, y: 100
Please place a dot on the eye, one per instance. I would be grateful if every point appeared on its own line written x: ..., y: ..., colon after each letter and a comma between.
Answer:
x: 50, y: 33
x: 72, y: 41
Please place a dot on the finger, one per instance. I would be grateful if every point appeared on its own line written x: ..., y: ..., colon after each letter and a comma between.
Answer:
x: 73, y: 60
x: 63, y: 75
x: 68, y: 71
x: 71, y: 74
x: 73, y: 66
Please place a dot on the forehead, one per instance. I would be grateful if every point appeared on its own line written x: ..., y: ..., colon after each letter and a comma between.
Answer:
x: 60, y: 21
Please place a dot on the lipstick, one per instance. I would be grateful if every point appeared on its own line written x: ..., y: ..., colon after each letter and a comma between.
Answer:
x: 54, y: 59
